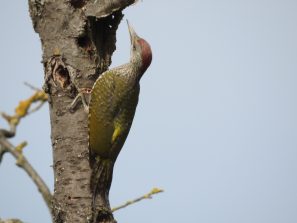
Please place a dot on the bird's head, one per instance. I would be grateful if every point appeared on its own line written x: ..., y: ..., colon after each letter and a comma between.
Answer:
x: 141, y: 53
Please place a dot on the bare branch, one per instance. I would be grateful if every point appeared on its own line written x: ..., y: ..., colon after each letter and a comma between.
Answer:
x: 146, y: 196
x: 23, y: 163
x: 21, y: 111
x: 13, y: 220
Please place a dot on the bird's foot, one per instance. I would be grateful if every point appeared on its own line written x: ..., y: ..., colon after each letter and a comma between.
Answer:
x: 81, y: 96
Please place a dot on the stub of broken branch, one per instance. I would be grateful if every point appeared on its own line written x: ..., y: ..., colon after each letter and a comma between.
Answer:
x: 105, y: 8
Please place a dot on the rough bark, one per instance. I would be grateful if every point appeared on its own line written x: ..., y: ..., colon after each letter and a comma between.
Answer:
x: 78, y: 38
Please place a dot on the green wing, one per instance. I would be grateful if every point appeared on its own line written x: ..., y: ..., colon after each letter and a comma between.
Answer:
x: 123, y: 121
x: 111, y: 112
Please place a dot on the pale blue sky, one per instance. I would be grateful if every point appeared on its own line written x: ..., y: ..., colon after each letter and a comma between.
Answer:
x: 216, y: 125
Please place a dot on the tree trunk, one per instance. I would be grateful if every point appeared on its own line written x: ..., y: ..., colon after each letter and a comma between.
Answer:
x: 78, y: 38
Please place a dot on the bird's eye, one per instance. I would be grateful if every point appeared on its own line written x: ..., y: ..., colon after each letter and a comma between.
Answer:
x: 134, y: 47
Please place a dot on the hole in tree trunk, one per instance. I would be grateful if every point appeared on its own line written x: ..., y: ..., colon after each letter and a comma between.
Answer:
x: 61, y: 76
x: 84, y: 42
x: 77, y: 3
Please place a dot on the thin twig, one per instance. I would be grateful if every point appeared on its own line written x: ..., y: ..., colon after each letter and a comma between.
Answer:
x: 36, y: 108
x: 21, y: 111
x: 23, y: 163
x: 146, y: 196
x: 42, y: 97
x: 2, y: 152
x: 31, y: 86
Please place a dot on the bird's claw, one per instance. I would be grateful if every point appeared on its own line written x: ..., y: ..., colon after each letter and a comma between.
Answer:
x: 80, y: 96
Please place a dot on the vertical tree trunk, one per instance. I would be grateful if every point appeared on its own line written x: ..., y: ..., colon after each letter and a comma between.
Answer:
x: 78, y: 38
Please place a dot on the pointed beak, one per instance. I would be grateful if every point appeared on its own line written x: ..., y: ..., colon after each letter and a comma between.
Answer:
x: 133, y: 34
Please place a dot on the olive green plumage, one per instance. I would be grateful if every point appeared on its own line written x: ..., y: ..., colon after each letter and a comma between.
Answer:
x: 111, y: 111
x: 114, y: 98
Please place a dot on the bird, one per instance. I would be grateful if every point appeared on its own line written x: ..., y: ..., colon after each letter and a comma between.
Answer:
x: 113, y: 102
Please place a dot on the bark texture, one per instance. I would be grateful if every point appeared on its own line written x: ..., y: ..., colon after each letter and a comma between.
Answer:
x: 78, y: 38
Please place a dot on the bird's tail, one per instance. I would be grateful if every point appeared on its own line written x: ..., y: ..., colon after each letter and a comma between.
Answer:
x: 100, y: 183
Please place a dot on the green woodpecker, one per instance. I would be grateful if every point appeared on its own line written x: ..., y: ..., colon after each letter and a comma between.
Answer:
x: 114, y: 98
x: 112, y: 106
